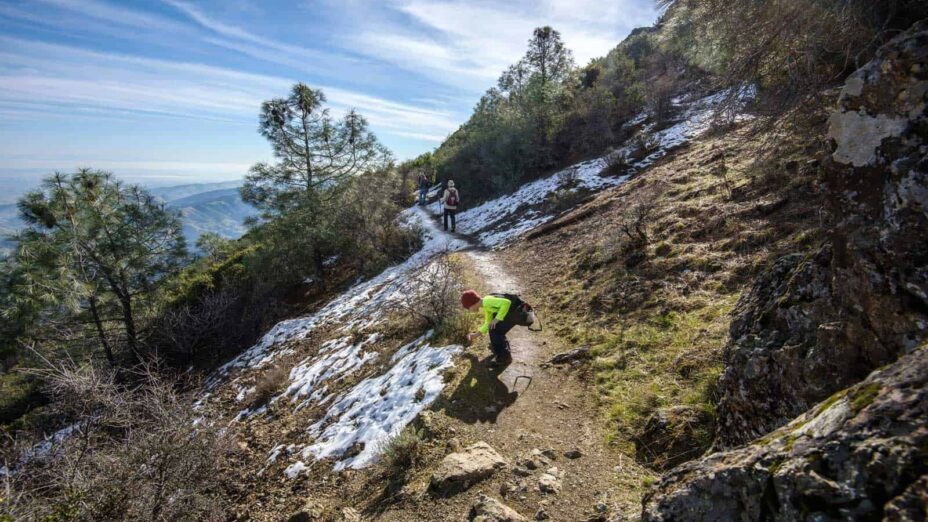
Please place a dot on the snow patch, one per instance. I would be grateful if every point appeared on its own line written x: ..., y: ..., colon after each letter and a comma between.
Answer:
x: 340, y: 358
x: 378, y: 408
x: 293, y: 470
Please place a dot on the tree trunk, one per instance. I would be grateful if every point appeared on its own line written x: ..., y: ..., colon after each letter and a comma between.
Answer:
x: 319, y: 262
x: 99, y: 324
x: 125, y: 301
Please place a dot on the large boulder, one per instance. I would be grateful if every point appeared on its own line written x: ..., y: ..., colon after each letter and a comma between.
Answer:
x: 814, y: 324
x: 860, y: 455
x: 459, y: 471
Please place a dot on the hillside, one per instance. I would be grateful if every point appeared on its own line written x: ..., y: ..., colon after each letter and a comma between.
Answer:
x: 721, y: 228
x: 206, y: 207
x: 176, y: 192
x: 344, y: 394
x: 219, y: 211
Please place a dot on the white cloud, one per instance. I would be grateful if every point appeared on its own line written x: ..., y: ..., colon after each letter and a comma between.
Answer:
x: 36, y: 73
x: 468, y: 44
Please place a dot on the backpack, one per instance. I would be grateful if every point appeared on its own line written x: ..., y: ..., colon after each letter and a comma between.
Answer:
x: 452, y: 200
x: 520, y: 312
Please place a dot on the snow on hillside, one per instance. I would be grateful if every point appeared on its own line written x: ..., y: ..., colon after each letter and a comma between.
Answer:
x: 377, y: 408
x: 361, y: 306
x: 501, y: 220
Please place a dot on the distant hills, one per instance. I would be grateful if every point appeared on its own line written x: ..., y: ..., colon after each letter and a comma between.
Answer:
x: 205, y: 207
x: 219, y: 211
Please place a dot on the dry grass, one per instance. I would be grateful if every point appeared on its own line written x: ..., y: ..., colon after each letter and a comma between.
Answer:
x: 268, y: 385
x: 658, y: 324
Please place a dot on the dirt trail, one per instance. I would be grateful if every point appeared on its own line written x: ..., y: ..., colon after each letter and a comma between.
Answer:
x: 526, y: 407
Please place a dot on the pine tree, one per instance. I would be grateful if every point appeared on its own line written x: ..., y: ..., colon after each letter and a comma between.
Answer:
x: 317, y: 154
x: 95, y: 246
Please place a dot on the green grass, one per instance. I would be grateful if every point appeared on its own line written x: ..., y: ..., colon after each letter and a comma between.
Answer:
x: 662, y: 360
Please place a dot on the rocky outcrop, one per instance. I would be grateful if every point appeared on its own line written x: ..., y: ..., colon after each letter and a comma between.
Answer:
x: 860, y: 455
x: 814, y: 324
x: 488, y: 509
x: 459, y: 471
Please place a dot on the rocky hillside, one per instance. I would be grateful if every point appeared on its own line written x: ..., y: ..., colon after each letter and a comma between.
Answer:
x: 733, y: 309
x: 815, y: 324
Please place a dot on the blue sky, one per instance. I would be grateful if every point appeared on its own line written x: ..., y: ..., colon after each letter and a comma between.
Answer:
x: 168, y: 91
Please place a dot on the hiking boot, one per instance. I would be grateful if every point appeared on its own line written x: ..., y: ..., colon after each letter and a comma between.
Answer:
x: 501, y: 360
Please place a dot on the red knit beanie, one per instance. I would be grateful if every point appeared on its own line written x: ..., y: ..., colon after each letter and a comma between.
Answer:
x: 469, y: 298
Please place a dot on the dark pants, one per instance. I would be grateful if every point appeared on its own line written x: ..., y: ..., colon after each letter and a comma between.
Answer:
x: 422, y: 192
x: 449, y: 212
x: 498, y: 342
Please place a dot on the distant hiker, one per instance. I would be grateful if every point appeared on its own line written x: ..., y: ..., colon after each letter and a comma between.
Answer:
x: 450, y: 200
x: 501, y: 312
x: 423, y: 187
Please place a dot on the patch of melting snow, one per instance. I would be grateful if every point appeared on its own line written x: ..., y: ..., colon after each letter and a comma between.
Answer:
x: 340, y: 357
x: 378, y: 408
x: 293, y: 470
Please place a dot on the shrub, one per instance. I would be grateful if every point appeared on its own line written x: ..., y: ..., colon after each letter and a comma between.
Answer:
x: 269, y: 385
x: 131, y: 453
x: 433, y: 295
x: 564, y: 199
x: 404, y: 451
x: 636, y: 218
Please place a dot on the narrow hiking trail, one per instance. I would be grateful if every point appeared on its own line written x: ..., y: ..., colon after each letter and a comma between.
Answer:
x: 530, y: 406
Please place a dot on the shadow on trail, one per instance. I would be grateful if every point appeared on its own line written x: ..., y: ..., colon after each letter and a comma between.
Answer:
x: 481, y: 396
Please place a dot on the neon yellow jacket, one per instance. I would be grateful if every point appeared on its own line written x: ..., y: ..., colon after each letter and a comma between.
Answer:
x: 493, y: 308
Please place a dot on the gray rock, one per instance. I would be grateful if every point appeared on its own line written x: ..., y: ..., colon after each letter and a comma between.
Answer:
x: 818, y: 323
x: 859, y: 455
x: 579, y: 354
x: 550, y: 482
x: 488, y: 509
x: 573, y: 453
x: 459, y: 471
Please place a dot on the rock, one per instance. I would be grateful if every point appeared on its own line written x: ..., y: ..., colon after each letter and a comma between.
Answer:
x: 520, y: 471
x: 488, y: 509
x: 573, y: 453
x: 541, y: 514
x: 537, y: 459
x: 350, y: 515
x: 581, y: 353
x: 815, y: 324
x: 459, y: 471
x: 507, y: 488
x: 550, y: 454
x: 860, y: 455
x: 672, y: 436
x: 550, y: 482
